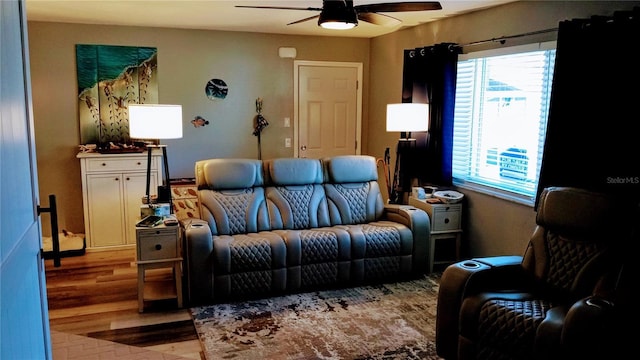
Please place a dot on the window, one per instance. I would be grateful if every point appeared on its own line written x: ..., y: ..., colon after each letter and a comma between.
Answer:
x: 502, y: 102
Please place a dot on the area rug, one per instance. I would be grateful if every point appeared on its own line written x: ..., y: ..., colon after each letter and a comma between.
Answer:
x: 388, y: 321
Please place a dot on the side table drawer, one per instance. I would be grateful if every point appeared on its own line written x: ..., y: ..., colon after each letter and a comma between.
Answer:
x: 446, y: 218
x: 158, y: 247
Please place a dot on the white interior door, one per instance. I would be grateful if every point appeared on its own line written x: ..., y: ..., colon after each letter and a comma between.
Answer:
x: 24, y: 332
x: 328, y: 108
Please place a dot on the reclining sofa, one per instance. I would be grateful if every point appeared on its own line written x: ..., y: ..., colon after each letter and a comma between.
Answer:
x: 296, y: 224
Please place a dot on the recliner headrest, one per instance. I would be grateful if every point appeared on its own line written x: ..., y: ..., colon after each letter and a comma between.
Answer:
x: 221, y: 174
x: 293, y: 171
x: 350, y: 169
x: 580, y: 211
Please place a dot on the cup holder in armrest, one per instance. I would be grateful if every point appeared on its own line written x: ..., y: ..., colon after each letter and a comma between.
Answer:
x: 599, y: 302
x: 471, y: 265
x: 195, y: 226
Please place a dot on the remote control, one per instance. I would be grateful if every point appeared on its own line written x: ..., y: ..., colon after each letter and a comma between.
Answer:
x: 150, y: 221
x: 170, y: 221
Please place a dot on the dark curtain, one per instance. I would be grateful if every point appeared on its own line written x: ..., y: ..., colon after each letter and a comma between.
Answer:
x: 591, y: 140
x: 429, y: 76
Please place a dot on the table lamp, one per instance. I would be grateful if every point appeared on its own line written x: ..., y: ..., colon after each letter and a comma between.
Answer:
x: 405, y: 118
x: 152, y: 122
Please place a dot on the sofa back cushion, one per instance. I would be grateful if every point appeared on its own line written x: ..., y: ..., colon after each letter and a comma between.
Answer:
x: 294, y: 192
x: 224, y: 174
x: 231, y: 196
x: 352, y: 190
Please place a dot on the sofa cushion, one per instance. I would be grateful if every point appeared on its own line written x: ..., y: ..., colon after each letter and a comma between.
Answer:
x: 221, y: 174
x: 251, y: 263
x: 350, y: 169
x: 293, y: 171
x: 317, y: 257
x: 295, y: 196
x: 380, y: 249
x: 352, y: 189
x: 231, y: 196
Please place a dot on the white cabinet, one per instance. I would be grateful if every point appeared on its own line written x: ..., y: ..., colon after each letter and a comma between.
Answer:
x: 446, y: 225
x: 112, y: 188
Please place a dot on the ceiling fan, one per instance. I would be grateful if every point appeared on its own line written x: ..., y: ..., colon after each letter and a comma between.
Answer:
x: 342, y: 14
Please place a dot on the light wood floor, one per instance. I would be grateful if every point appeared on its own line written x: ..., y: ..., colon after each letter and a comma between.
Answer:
x: 94, y: 297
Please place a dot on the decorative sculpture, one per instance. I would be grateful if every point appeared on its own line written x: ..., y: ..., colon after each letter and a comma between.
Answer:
x: 261, y: 123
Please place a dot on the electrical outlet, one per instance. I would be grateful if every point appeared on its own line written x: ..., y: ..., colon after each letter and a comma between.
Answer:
x: 287, y: 142
x: 287, y: 122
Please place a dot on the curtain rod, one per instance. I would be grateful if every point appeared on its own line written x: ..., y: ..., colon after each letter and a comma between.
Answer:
x: 503, y: 39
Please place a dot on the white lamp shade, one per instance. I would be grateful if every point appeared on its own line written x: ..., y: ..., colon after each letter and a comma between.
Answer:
x: 155, y: 121
x: 407, y: 117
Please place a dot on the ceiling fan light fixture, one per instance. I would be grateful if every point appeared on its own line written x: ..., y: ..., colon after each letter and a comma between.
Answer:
x: 336, y: 16
x: 337, y: 24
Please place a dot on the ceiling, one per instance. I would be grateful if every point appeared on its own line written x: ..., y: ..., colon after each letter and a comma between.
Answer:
x: 223, y: 15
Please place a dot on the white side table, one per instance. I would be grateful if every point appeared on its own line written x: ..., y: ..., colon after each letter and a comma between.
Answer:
x: 159, y: 247
x: 446, y: 224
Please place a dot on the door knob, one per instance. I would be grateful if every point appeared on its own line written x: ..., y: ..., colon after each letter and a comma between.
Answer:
x: 303, y: 147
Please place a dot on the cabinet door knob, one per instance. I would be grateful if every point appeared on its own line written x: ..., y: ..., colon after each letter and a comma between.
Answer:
x: 139, y: 163
x: 104, y: 164
x: 128, y: 179
x: 117, y: 179
x: 158, y: 246
x: 446, y: 220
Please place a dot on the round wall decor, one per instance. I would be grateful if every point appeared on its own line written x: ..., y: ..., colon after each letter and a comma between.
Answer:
x: 216, y: 89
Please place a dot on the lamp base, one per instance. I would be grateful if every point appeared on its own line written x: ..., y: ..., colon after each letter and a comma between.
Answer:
x: 164, y: 194
x: 395, y: 197
x: 164, y: 191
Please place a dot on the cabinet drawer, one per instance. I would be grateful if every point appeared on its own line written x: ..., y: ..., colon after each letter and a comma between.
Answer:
x: 446, y: 218
x: 158, y: 247
x: 122, y: 164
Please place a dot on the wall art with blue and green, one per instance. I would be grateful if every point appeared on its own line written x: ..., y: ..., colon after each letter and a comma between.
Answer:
x: 109, y: 79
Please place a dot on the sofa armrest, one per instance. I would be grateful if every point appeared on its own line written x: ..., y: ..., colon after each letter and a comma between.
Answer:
x: 500, y: 261
x: 198, y: 250
x: 460, y: 280
x: 598, y: 326
x: 592, y: 330
x: 418, y: 221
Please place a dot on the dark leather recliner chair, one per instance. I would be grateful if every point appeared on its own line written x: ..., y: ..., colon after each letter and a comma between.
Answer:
x: 568, y: 297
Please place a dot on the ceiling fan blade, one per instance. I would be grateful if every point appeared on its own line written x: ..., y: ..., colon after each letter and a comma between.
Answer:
x: 303, y: 20
x: 399, y: 6
x: 379, y: 19
x: 279, y: 7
